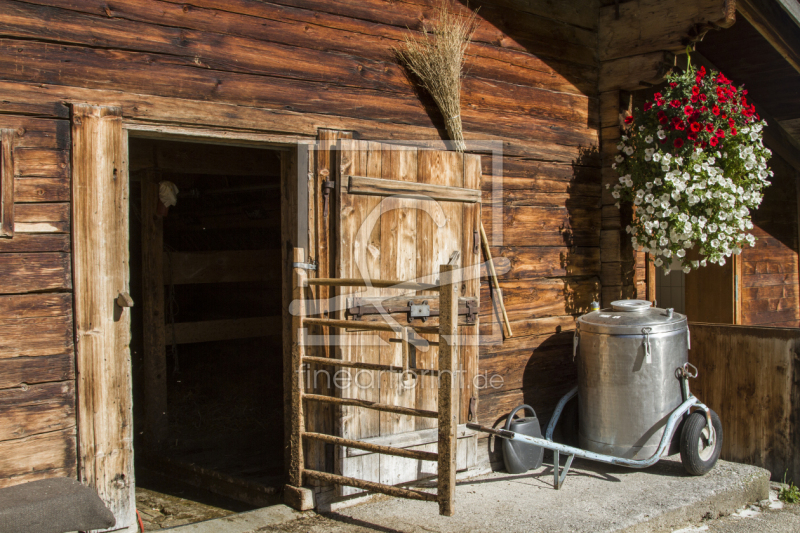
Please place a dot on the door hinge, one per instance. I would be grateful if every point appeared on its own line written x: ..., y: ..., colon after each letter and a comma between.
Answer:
x: 306, y: 266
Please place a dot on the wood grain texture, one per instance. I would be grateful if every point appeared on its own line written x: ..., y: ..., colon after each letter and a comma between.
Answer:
x: 7, y: 141
x: 36, y: 409
x: 100, y: 248
x: 743, y: 366
x: 38, y: 457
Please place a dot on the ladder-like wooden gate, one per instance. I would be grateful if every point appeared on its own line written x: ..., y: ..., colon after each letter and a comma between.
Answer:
x: 446, y: 374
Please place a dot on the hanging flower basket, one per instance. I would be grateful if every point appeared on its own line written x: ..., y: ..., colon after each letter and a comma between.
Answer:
x: 693, y: 164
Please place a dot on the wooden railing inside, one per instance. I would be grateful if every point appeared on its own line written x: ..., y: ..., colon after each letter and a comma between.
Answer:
x: 446, y: 413
x: 750, y: 376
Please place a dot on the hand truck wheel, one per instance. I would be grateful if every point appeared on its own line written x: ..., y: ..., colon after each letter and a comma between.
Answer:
x: 699, y: 450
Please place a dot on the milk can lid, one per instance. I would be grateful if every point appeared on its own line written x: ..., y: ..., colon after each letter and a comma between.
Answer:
x: 628, y: 317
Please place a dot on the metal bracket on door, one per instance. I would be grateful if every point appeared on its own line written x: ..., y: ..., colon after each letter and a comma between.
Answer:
x: 305, y: 266
x: 327, y: 186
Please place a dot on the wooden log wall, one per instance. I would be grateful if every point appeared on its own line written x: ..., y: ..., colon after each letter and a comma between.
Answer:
x: 535, y: 82
x: 293, y: 66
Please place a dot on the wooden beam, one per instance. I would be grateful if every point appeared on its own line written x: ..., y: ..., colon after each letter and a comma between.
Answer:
x: 635, y: 72
x: 370, y: 405
x: 154, y: 349
x: 297, y: 420
x: 450, y: 279
x: 375, y: 283
x: 407, y: 189
x: 370, y: 485
x: 330, y: 361
x: 230, y: 266
x: 221, y: 330
x: 774, y: 24
x: 374, y: 448
x: 7, y: 137
x: 102, y: 329
x: 362, y: 325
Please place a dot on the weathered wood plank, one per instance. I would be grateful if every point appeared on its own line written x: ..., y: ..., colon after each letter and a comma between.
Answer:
x: 220, y: 330
x: 38, y: 456
x: 35, y: 305
x: 36, y: 409
x: 549, y: 226
x: 448, y: 393
x: 31, y: 370
x: 41, y: 189
x: 39, y: 162
x: 28, y: 272
x: 101, y: 258
x: 535, y: 298
x: 635, y: 72
x: 418, y: 191
x: 42, y: 217
x: 36, y: 243
x: 7, y: 142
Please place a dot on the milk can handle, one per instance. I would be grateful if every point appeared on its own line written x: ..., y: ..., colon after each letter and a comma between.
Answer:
x: 647, y: 356
x: 519, y: 407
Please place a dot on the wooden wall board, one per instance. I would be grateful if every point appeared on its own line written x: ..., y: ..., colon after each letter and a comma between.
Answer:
x: 16, y: 371
x: 37, y: 409
x: 38, y: 456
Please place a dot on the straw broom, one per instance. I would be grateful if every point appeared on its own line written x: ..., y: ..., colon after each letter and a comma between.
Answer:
x: 437, y: 58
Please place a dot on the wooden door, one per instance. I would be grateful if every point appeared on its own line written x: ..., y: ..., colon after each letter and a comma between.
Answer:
x: 713, y: 293
x: 401, y: 213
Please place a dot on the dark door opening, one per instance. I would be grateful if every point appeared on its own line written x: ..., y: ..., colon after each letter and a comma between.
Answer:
x: 221, y: 439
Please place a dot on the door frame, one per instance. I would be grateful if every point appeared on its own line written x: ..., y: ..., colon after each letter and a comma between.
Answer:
x: 100, y: 230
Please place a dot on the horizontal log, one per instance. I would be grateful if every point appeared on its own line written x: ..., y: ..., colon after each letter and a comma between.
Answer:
x: 28, y: 458
x: 653, y: 25
x: 17, y: 371
x: 547, y: 261
x: 221, y: 330
x: 406, y: 189
x: 33, y: 132
x: 374, y: 448
x: 376, y: 283
x: 364, y: 325
x: 550, y: 226
x: 329, y: 361
x: 537, y: 298
x: 352, y: 402
x: 37, y: 242
x: 390, y: 490
x: 221, y: 266
x: 42, y: 218
x: 35, y: 336
x: 635, y: 72
x: 492, y: 334
x: 410, y: 439
x: 41, y: 189
x: 37, y: 409
x: 29, y: 272
x: 41, y: 163
x: 19, y: 306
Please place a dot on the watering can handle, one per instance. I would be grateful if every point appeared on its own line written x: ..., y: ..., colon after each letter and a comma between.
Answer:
x: 518, y: 408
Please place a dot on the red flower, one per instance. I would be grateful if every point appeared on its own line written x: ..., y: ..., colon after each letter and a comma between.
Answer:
x: 702, y: 72
x: 648, y: 106
x: 688, y: 110
x: 673, y: 84
x: 678, y: 142
x: 680, y: 126
x: 715, y: 110
x: 628, y: 119
x: 657, y: 95
x: 695, y: 126
x: 694, y: 99
x: 695, y: 90
x: 675, y: 103
x: 663, y: 120
x: 709, y: 127
x: 720, y: 133
x: 733, y: 131
x: 713, y: 141
x: 692, y: 136
x: 703, y: 97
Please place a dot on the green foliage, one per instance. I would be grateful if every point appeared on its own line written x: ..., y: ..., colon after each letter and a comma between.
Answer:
x: 789, y: 493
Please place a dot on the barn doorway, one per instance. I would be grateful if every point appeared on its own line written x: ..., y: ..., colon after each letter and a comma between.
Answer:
x: 206, y: 343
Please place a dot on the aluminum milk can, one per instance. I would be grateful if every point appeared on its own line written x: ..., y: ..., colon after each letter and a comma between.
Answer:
x: 627, y: 381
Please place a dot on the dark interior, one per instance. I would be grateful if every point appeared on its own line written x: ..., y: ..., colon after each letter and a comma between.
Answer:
x: 222, y: 287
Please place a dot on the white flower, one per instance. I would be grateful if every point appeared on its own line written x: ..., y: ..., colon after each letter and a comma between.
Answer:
x: 620, y: 146
x: 686, y: 270
x: 658, y: 262
x: 615, y: 194
x: 661, y: 134
x: 619, y: 159
x: 628, y: 150
x: 648, y: 139
x: 656, y: 157
x: 681, y: 253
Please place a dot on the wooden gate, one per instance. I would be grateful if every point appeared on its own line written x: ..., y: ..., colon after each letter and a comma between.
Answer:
x: 402, y: 212
x: 404, y: 219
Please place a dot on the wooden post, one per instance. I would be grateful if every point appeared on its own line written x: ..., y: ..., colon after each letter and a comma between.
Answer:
x: 449, y: 278
x: 155, y: 351
x: 102, y: 328
x: 296, y: 461
x: 7, y: 137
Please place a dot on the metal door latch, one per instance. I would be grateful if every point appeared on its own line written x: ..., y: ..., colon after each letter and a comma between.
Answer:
x: 422, y: 311
x: 306, y: 266
x: 327, y: 187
